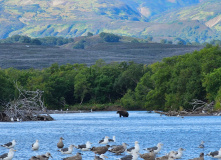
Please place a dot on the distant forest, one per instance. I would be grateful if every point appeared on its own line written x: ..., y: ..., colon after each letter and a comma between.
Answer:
x: 170, y: 84
x: 106, y: 37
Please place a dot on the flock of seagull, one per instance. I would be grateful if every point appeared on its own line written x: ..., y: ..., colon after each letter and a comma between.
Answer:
x: 132, y: 153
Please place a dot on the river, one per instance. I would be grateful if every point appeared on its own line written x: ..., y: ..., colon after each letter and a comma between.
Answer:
x: 146, y: 128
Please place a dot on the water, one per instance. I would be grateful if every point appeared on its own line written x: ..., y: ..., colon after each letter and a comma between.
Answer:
x: 147, y: 129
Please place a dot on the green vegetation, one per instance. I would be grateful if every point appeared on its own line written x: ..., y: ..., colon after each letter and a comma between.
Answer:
x: 49, y: 41
x: 170, y: 84
x: 109, y: 37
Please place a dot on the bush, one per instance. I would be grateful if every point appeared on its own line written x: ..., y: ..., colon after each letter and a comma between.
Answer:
x: 109, y: 37
x: 36, y: 41
x: 79, y: 45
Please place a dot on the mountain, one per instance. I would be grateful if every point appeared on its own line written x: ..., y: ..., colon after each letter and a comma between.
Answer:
x: 162, y: 19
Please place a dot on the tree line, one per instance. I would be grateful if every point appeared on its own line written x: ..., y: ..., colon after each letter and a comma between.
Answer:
x: 167, y: 85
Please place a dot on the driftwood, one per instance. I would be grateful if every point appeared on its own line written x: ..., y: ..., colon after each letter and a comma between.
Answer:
x: 27, y: 107
x: 200, y: 108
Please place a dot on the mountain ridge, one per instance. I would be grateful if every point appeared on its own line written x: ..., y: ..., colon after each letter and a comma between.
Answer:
x: 141, y: 18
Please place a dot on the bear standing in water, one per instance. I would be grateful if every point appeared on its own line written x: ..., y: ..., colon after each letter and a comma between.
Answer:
x: 123, y: 113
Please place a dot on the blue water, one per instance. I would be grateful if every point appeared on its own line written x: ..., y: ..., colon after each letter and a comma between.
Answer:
x: 148, y: 129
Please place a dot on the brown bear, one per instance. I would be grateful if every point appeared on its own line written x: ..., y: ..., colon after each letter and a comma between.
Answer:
x: 123, y: 113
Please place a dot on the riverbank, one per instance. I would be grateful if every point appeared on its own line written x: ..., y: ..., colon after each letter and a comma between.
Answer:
x: 184, y: 113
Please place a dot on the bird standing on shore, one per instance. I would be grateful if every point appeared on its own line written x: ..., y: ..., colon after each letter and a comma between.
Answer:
x: 119, y: 148
x: 201, y: 144
x: 68, y: 150
x: 112, y: 140
x: 101, y: 157
x: 166, y: 157
x: 60, y: 144
x: 9, y: 144
x: 199, y: 158
x: 84, y: 147
x: 45, y: 156
x: 148, y: 156
x: 104, y: 141
x: 136, y: 148
x: 156, y: 149
x: 179, y: 154
x: 100, y: 150
x: 215, y: 154
x: 35, y: 146
x: 133, y: 156
x: 8, y: 156
x: 76, y: 157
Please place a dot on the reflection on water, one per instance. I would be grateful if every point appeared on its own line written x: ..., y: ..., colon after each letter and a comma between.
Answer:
x: 148, y: 129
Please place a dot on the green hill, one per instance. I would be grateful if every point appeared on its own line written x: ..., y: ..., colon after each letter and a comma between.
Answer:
x: 68, y: 18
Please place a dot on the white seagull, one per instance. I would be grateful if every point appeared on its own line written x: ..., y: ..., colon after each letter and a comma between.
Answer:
x: 104, y: 141
x: 8, y: 156
x: 201, y: 144
x: 215, y: 154
x: 84, y: 147
x: 136, y: 148
x: 9, y: 144
x: 178, y: 154
x: 101, y: 157
x: 67, y: 150
x: 45, y: 156
x: 133, y: 156
x: 112, y: 140
x: 156, y: 149
x: 35, y: 146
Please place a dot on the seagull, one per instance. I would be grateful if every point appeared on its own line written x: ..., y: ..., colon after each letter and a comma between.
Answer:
x: 112, y: 140
x: 199, y: 158
x: 149, y: 156
x: 60, y: 144
x: 101, y: 157
x: 136, y: 148
x: 34, y: 158
x: 104, y: 141
x: 67, y: 150
x: 172, y: 153
x: 179, y: 154
x: 12, y: 119
x: 215, y: 154
x: 45, y: 156
x: 9, y: 144
x: 156, y: 149
x: 8, y: 156
x: 76, y: 157
x: 119, y: 148
x: 35, y: 146
x: 100, y: 150
x: 201, y: 144
x: 84, y: 147
x: 133, y: 156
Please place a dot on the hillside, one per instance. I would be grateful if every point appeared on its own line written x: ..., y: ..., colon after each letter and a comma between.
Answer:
x: 68, y: 18
x: 23, y: 56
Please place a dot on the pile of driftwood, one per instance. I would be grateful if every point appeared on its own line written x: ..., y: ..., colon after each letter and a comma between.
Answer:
x: 200, y: 108
x: 27, y: 107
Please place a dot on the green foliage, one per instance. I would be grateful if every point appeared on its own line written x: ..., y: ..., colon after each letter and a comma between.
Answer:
x: 109, y: 37
x: 135, y: 41
x: 6, y: 88
x: 218, y: 100
x: 128, y: 101
x: 89, y: 34
x: 212, y: 82
x: 37, y: 41
x: 163, y: 41
x: 166, y: 85
x: 79, y: 44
